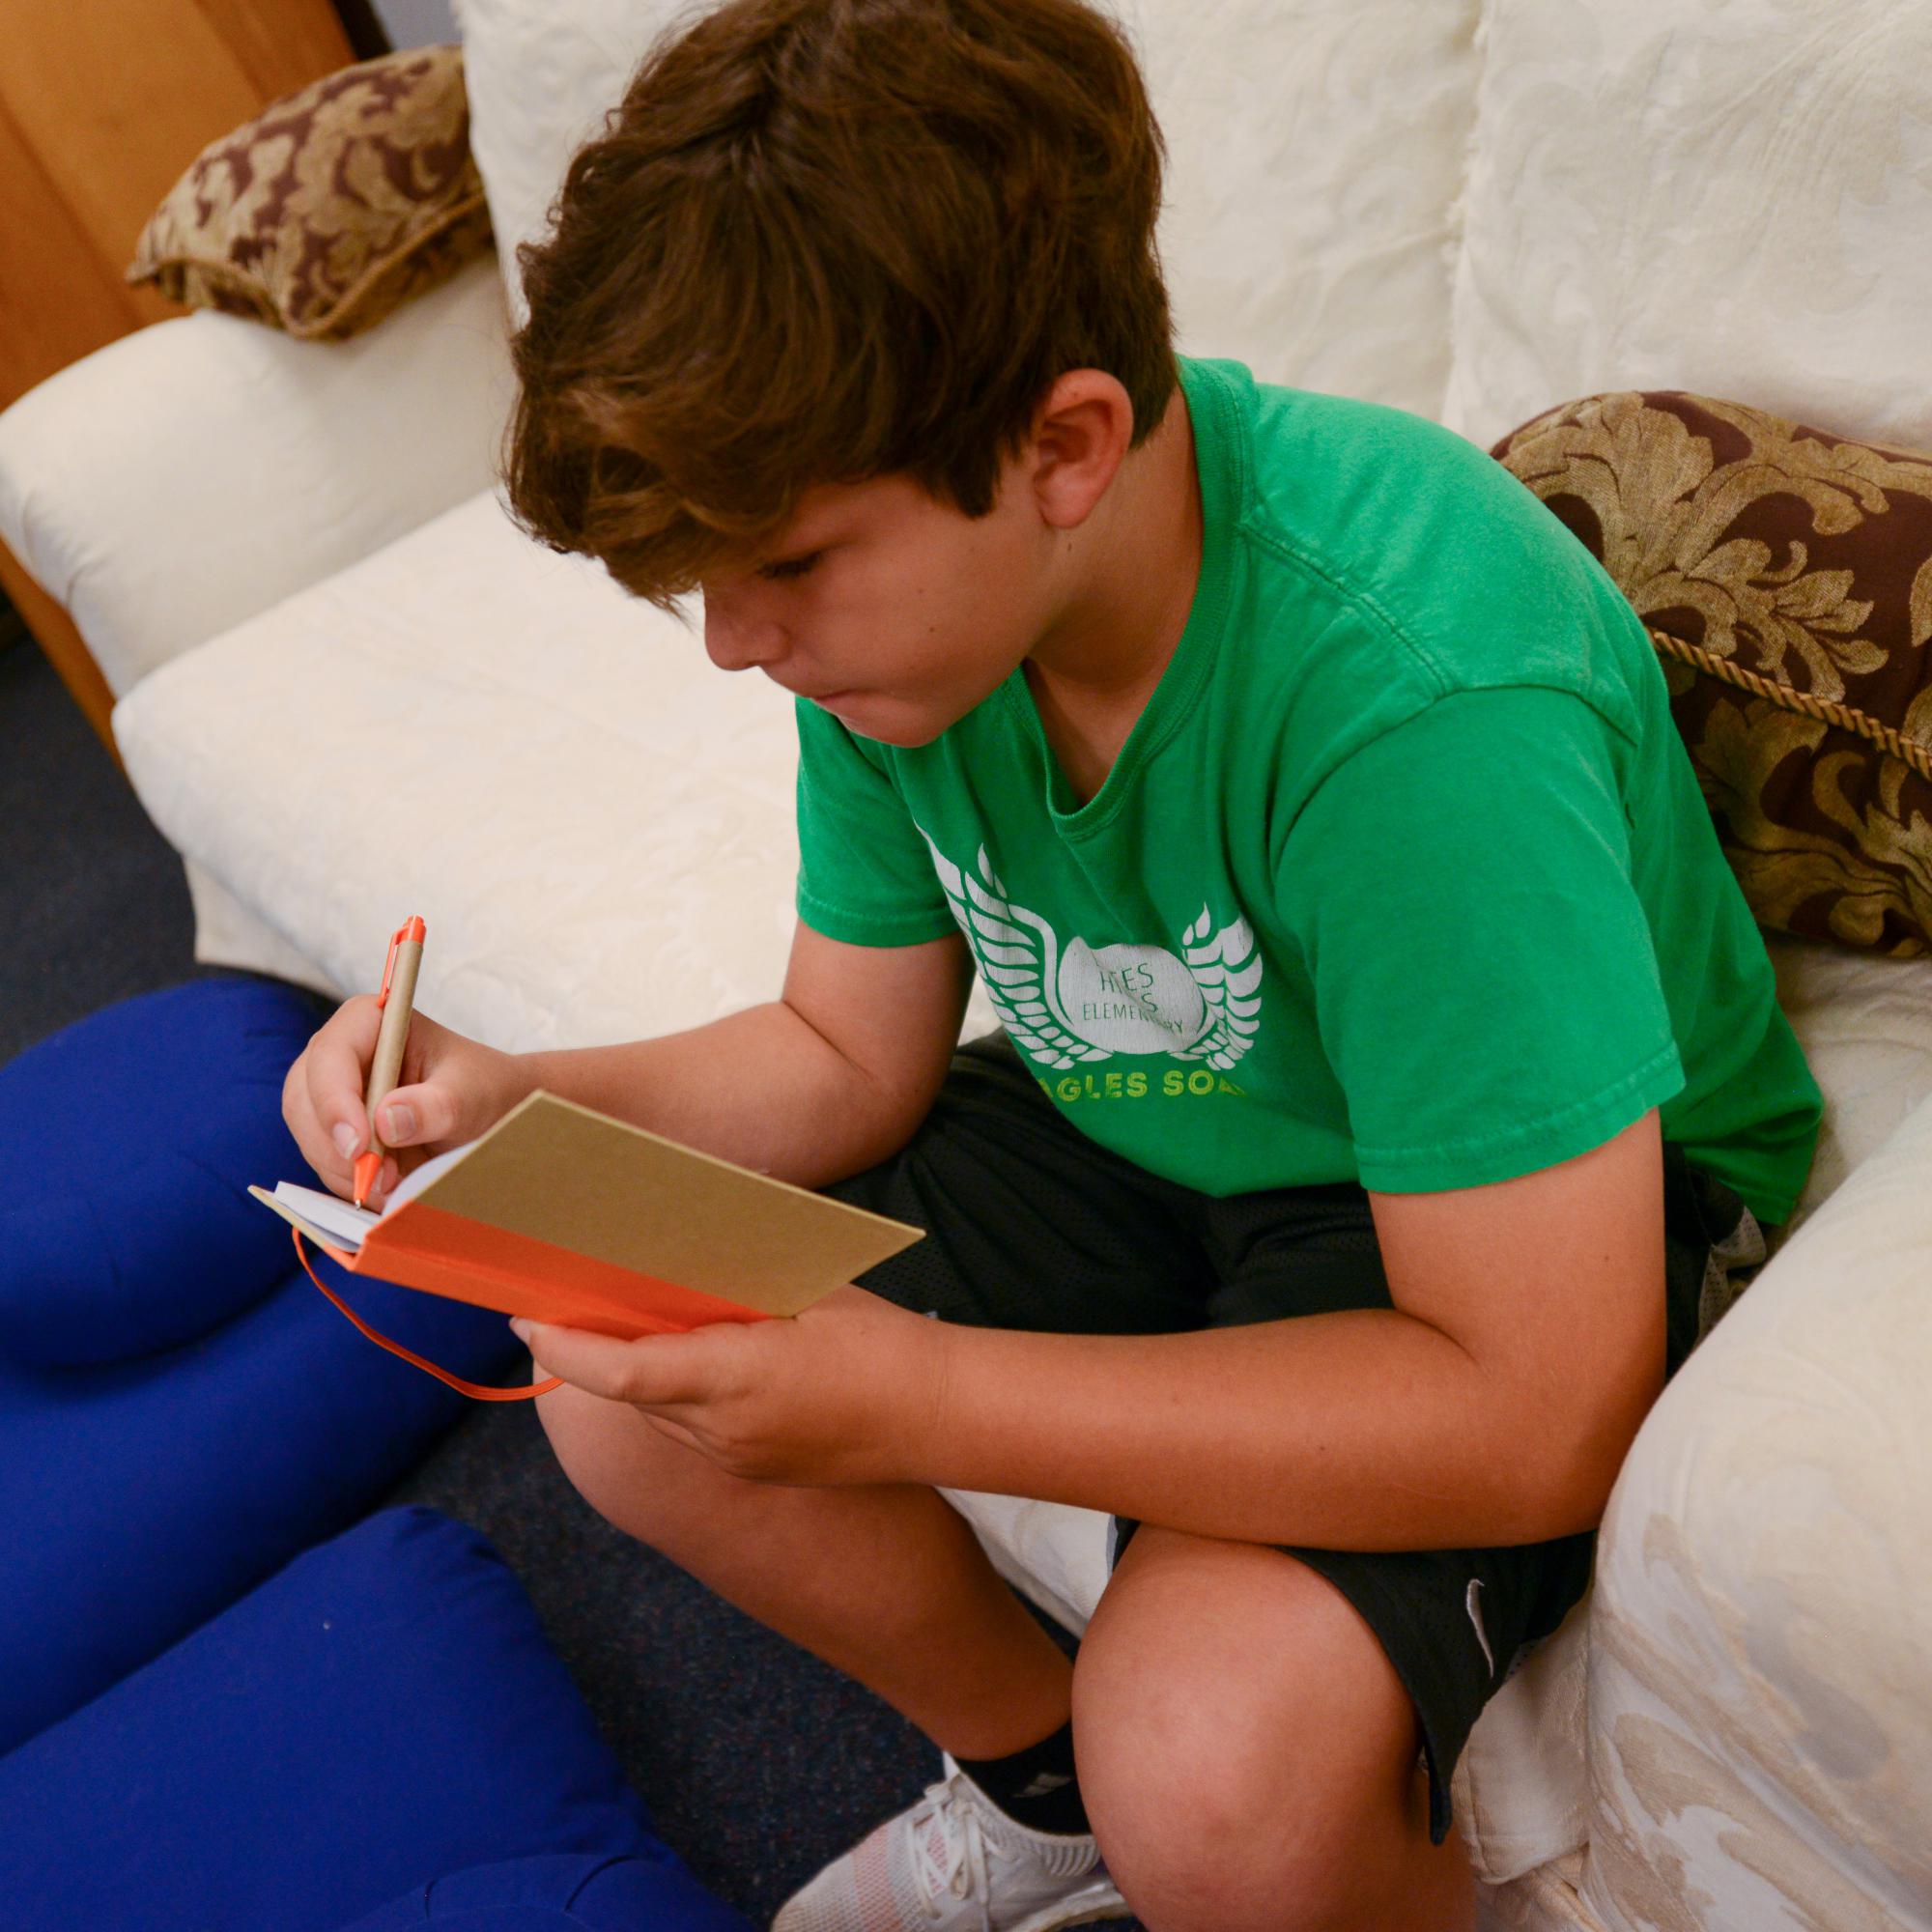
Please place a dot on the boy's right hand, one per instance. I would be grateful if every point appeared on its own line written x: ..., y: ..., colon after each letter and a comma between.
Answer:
x: 449, y: 1089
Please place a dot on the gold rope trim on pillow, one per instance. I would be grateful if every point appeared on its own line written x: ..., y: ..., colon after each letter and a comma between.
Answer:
x: 1916, y: 756
x: 1784, y: 577
x: 332, y: 206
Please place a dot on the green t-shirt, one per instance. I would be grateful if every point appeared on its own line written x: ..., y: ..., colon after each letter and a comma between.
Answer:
x: 1402, y: 876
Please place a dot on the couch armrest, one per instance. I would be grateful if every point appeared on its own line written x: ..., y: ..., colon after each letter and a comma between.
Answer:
x: 179, y: 480
x: 1761, y: 1638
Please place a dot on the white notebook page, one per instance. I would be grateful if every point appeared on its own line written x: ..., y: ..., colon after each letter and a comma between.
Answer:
x: 343, y: 1223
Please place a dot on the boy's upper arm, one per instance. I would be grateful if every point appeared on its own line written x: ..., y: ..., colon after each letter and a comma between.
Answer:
x: 865, y: 871
x: 1486, y: 980
x: 894, y: 1011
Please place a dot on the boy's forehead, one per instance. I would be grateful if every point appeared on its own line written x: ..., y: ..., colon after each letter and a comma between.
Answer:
x: 821, y: 503
x: 826, y: 510
x: 822, y: 514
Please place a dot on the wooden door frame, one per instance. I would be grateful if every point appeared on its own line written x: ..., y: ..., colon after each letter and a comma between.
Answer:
x: 53, y: 630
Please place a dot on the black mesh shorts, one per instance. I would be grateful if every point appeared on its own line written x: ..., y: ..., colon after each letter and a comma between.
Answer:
x: 1031, y: 1225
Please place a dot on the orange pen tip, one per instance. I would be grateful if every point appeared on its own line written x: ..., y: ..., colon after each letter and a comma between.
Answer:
x: 368, y: 1171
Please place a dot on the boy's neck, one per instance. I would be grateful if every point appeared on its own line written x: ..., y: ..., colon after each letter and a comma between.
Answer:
x: 1093, y: 672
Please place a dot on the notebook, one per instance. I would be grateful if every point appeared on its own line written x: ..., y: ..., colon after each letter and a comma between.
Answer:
x: 567, y: 1216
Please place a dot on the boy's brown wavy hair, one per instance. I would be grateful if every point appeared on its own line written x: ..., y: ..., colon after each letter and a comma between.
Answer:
x: 822, y: 241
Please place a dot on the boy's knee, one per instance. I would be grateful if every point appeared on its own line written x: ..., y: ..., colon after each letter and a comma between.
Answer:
x: 1209, y: 1828
x: 632, y: 1474
x: 1194, y: 1830
x: 1241, y: 1784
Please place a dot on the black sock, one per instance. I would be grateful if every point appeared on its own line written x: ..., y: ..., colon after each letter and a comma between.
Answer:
x: 1036, y: 1786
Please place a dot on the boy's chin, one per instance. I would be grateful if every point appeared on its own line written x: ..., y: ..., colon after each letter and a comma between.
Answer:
x: 889, y: 721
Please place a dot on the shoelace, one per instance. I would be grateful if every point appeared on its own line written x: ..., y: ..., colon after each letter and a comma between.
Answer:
x: 960, y: 1868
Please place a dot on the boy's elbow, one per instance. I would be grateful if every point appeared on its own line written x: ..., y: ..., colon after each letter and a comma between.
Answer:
x: 1576, y: 1505
x: 1584, y: 1469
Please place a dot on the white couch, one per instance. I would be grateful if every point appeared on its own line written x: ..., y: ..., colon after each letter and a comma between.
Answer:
x: 349, y: 689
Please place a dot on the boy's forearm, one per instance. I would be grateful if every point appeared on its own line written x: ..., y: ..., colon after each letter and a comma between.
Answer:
x: 1366, y: 1430
x: 761, y: 1088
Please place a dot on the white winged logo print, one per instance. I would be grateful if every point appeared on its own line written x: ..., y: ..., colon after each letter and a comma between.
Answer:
x: 1074, y: 1004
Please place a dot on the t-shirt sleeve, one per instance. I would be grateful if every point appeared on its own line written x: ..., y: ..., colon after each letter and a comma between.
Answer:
x: 865, y: 873
x: 1485, y: 985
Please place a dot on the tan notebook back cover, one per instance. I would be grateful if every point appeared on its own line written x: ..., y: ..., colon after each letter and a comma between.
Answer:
x: 570, y: 1175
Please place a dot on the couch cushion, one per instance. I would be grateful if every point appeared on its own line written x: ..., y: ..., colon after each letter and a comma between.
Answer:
x: 140, y: 1127
x: 1295, y: 234
x: 540, y: 77
x: 384, y: 1711
x: 1726, y: 199
x: 1296, y: 237
x: 596, y: 822
x: 243, y: 464
x: 1865, y: 1025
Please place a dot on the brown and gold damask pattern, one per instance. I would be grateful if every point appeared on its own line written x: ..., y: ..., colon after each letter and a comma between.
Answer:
x: 333, y: 205
x: 1785, y: 576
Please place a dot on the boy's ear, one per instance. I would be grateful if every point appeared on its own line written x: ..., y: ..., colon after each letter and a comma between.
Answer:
x: 1081, y: 433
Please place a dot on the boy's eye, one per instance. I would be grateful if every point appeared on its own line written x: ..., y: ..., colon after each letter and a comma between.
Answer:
x: 789, y: 567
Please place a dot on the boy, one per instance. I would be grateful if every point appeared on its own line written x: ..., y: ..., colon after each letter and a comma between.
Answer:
x: 1387, y: 1042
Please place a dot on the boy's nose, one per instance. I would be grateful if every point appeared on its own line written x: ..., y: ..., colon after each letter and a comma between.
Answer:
x: 736, y: 639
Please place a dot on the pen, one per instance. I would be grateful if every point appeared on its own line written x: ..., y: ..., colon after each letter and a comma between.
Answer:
x: 397, y: 1000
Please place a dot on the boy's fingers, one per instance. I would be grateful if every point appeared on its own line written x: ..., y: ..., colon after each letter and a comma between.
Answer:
x: 425, y: 1112
x: 402, y: 1119
x: 335, y: 1091
x: 652, y: 1369
x: 338, y: 1068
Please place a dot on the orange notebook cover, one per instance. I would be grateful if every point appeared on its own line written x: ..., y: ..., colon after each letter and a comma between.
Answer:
x: 566, y: 1216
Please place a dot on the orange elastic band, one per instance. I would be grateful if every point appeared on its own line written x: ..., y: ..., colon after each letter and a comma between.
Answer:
x: 462, y: 1387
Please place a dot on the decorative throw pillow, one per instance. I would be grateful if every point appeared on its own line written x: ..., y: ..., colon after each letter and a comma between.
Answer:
x: 333, y: 205
x: 1785, y: 576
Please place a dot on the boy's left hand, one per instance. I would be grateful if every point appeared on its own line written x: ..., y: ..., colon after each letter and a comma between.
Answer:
x: 840, y: 1394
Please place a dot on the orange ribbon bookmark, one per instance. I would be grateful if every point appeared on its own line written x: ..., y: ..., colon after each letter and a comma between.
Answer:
x: 462, y: 1387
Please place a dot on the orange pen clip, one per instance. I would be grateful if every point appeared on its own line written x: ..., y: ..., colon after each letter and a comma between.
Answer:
x: 411, y: 928
x: 386, y: 1064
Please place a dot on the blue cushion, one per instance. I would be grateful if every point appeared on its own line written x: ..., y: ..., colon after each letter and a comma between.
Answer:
x: 567, y: 1892
x: 140, y: 1498
x: 384, y: 1711
x: 128, y: 1139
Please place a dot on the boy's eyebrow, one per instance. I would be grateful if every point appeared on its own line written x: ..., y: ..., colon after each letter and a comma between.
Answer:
x: 802, y: 537
x: 789, y: 551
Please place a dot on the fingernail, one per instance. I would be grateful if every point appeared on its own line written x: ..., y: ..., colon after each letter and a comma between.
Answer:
x: 520, y: 1329
x: 400, y: 1124
x: 346, y: 1138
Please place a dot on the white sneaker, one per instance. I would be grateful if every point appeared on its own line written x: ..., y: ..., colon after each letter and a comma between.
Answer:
x: 954, y: 1862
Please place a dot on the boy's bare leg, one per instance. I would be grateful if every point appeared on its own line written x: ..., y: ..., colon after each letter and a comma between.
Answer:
x: 1246, y: 1752
x: 887, y: 1583
x: 1248, y: 1756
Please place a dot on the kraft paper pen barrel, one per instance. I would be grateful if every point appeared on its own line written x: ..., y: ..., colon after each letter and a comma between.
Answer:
x: 397, y: 1000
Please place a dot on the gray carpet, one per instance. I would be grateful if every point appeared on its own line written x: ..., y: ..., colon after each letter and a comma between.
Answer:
x: 759, y: 1762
